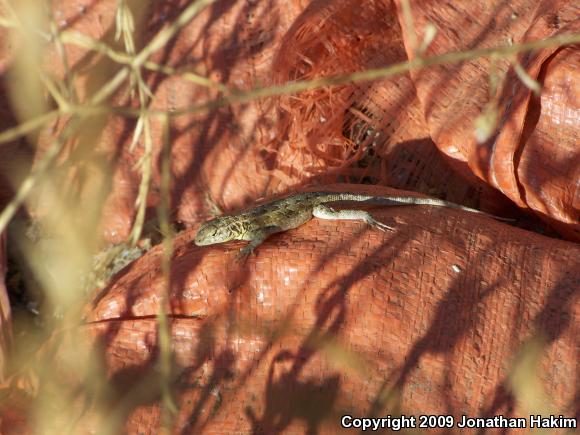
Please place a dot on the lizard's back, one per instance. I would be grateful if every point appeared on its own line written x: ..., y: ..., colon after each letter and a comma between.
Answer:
x: 286, y: 213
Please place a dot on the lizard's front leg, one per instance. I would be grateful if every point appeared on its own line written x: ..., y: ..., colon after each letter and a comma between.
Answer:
x: 256, y: 238
x: 325, y: 212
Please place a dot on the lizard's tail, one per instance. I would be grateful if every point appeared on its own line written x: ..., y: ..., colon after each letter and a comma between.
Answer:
x: 404, y: 200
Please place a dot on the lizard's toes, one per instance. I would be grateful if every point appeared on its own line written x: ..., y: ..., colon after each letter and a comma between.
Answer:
x: 243, y: 253
x: 381, y: 226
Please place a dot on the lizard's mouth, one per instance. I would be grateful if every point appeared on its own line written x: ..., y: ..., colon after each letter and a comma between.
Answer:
x: 201, y: 242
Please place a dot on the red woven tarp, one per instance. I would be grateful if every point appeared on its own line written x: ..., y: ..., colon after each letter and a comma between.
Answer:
x: 335, y: 318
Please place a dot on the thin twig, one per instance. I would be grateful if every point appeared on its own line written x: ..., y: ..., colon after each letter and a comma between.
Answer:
x: 39, y: 170
x: 29, y: 126
x: 167, y: 33
x: 93, y: 108
x: 410, y: 25
x: 164, y: 333
x: 107, y: 90
x: 367, y: 75
x: 56, y: 37
x: 82, y: 40
x: 299, y: 86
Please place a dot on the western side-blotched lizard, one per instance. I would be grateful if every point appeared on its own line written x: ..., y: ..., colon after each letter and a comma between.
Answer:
x: 256, y: 224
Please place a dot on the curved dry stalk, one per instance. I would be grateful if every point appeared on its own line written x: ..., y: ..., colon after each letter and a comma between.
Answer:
x: 169, y: 407
x: 78, y: 112
x: 361, y: 76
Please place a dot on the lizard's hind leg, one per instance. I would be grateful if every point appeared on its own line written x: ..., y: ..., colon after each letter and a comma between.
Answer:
x: 325, y: 212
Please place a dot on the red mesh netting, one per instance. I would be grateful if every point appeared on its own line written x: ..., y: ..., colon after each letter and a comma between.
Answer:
x: 371, y: 132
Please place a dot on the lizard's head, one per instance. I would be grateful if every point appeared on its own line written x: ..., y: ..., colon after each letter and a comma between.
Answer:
x: 214, y: 231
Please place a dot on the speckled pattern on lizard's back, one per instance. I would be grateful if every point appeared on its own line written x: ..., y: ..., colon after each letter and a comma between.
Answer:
x: 256, y: 224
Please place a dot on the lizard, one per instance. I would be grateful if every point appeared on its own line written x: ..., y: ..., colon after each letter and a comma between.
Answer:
x: 257, y: 224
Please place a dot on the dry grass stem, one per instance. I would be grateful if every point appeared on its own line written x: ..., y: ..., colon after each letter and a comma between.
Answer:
x: 165, y: 356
